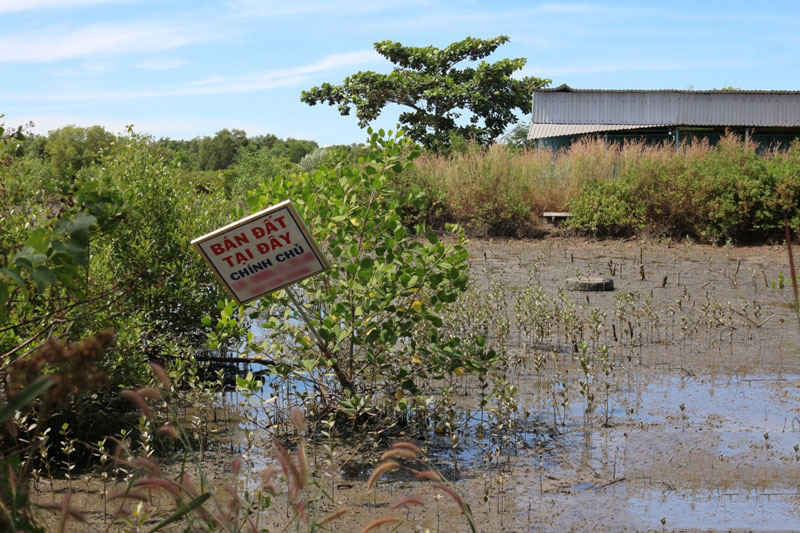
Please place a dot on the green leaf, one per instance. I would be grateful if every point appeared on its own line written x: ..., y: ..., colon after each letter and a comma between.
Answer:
x: 28, y: 394
x: 74, y: 249
x: 27, y: 257
x: 43, y: 277
x: 77, y: 228
x: 14, y: 275
x: 83, y: 221
x: 69, y: 278
x: 184, y: 509
x: 4, y: 294
x: 38, y: 240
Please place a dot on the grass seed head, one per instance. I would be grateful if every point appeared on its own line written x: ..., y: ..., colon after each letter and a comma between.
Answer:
x: 332, y: 516
x: 158, y: 483
x: 289, y: 468
x: 452, y: 493
x: 266, y: 480
x: 298, y: 420
x: 379, y: 522
x: 411, y: 500
x: 236, y: 466
x: 161, y: 374
x: 399, y: 452
x: 430, y: 475
x: 169, y: 430
x: 381, y: 468
x: 139, y: 402
x: 150, y: 393
x: 407, y: 445
x: 146, y: 464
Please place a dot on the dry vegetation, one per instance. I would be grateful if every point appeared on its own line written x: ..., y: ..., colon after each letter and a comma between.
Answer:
x: 731, y: 190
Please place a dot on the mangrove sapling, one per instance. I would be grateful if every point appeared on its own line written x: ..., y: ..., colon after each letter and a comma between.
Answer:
x: 357, y: 339
x: 585, y: 359
x: 67, y: 449
x: 607, y: 368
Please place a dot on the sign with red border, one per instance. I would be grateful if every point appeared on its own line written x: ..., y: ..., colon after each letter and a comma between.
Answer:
x: 261, y: 253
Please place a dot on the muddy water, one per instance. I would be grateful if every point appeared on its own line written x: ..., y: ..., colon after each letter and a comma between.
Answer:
x: 698, y: 428
x: 703, y: 405
x: 703, y: 426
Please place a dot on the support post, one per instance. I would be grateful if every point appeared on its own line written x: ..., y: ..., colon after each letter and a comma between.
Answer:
x: 299, y: 308
x: 345, y: 380
x: 677, y: 138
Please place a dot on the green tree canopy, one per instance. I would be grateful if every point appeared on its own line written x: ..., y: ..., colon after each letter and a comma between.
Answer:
x: 427, y: 81
x: 71, y: 148
x: 219, y: 152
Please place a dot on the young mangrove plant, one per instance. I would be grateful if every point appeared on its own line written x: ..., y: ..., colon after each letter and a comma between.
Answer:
x: 365, y: 335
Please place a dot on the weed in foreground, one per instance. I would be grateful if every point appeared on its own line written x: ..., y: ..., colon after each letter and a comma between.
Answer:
x: 199, y: 503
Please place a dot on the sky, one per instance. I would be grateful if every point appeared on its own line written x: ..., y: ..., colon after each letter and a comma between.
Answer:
x: 181, y: 69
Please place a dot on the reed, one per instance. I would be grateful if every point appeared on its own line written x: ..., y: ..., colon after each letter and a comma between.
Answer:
x: 730, y: 190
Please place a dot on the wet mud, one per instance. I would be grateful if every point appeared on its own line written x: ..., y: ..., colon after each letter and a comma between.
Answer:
x: 697, y: 428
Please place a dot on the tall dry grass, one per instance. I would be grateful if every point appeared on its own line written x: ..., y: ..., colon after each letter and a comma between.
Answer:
x: 701, y: 190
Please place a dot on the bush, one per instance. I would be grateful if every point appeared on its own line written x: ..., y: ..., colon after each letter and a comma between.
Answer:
x: 713, y: 193
x: 497, y: 187
x: 374, y: 317
x: 253, y: 169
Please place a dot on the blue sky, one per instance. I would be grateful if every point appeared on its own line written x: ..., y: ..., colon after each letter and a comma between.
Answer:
x: 186, y: 68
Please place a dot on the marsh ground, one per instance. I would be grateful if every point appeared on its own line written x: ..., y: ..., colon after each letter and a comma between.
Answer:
x: 696, y: 427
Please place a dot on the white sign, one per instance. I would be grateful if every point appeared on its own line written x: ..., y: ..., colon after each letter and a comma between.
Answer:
x: 262, y: 253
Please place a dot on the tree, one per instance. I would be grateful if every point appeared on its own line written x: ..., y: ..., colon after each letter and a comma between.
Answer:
x: 517, y: 137
x: 292, y: 149
x: 71, y: 148
x: 427, y: 81
x: 220, y: 151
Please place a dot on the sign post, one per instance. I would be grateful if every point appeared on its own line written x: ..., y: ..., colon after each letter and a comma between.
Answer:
x: 267, y: 251
x: 261, y: 253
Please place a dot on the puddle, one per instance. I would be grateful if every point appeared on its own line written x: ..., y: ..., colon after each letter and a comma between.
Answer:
x: 714, y: 404
x: 717, y: 510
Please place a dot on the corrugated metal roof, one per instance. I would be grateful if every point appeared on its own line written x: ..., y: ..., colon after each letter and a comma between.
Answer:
x: 542, y: 131
x: 564, y: 88
x: 636, y: 109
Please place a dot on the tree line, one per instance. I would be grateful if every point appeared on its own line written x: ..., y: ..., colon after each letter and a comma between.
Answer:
x: 68, y: 149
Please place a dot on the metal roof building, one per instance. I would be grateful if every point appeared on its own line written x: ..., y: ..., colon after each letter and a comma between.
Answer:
x: 562, y: 114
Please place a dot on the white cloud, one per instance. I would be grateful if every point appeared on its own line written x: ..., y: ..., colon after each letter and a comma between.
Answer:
x: 11, y: 6
x: 160, y: 63
x: 62, y: 42
x: 91, y: 66
x: 254, y: 82
x: 261, y: 81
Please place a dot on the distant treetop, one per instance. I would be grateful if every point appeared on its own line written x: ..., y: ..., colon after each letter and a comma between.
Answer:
x: 437, y: 94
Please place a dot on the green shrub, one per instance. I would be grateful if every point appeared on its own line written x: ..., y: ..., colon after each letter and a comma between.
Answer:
x: 727, y: 191
x: 377, y: 311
